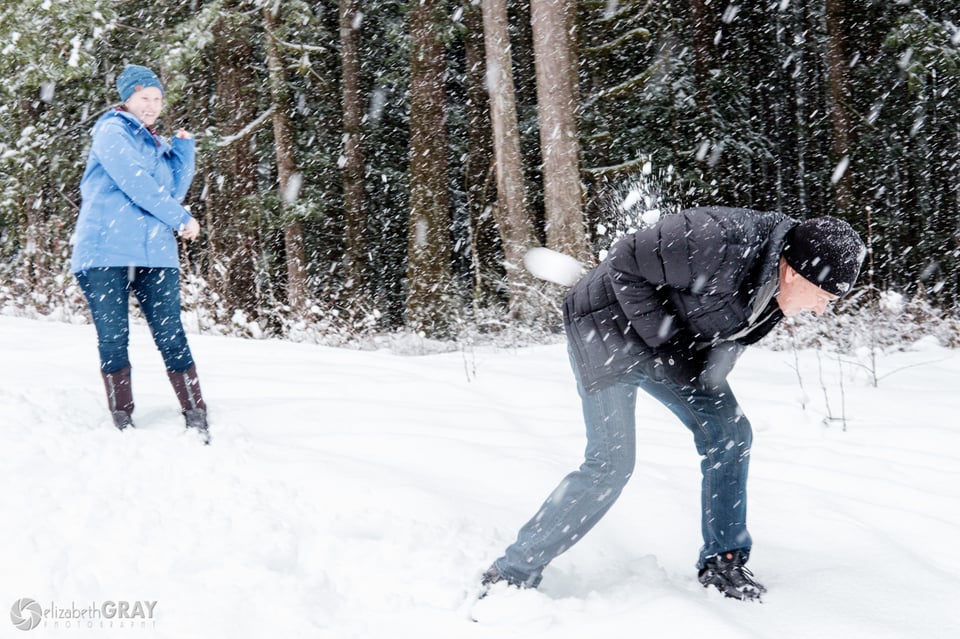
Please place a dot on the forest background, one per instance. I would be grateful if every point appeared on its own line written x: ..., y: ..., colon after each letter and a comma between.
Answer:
x: 378, y: 166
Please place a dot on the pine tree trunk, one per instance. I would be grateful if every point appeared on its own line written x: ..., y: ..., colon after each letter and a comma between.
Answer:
x: 354, y: 209
x: 839, y: 85
x: 233, y: 216
x: 478, y: 167
x: 287, y: 172
x: 703, y: 33
x: 513, y: 219
x: 30, y: 227
x: 429, y: 244
x: 553, y: 22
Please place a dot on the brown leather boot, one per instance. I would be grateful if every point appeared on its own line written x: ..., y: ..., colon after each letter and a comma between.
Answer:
x: 186, y: 385
x: 119, y: 396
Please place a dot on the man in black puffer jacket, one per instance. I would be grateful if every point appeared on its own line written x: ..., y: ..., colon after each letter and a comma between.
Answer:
x: 669, y: 311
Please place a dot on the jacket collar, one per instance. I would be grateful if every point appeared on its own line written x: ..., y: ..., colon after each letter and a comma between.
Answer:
x: 137, y: 126
x: 769, y: 266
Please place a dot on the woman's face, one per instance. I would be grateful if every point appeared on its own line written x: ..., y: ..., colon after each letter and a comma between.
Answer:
x: 146, y: 104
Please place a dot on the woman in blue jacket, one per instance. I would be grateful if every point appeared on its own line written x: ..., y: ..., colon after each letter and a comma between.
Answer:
x: 132, y: 192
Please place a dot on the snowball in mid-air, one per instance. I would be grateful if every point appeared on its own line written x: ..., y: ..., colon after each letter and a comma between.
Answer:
x: 631, y: 199
x: 552, y: 266
x: 650, y: 216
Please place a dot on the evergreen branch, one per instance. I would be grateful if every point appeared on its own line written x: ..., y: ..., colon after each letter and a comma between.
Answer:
x: 293, y: 45
x: 611, y: 47
x: 227, y: 140
x: 616, y: 169
x: 626, y: 87
x: 632, y: 12
x: 68, y: 129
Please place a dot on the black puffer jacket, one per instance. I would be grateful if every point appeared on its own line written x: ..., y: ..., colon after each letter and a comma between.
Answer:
x: 694, y: 274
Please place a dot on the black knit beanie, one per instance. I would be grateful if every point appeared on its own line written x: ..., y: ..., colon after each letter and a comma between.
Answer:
x: 827, y: 252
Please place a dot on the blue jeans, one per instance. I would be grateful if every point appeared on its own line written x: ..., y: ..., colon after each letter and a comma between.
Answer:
x: 722, y: 436
x: 158, y: 291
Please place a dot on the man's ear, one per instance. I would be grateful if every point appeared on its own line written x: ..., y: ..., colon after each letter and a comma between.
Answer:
x: 789, y: 274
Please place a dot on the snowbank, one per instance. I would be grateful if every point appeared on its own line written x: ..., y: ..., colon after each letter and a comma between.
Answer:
x: 360, y: 494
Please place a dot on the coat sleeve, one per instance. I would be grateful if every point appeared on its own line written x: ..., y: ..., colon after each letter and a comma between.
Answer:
x: 182, y: 162
x: 682, y: 252
x: 116, y: 151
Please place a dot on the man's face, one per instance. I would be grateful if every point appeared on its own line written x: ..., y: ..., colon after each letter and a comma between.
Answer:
x: 798, y: 294
x: 146, y: 104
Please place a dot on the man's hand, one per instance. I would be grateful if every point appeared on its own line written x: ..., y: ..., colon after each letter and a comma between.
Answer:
x: 678, y: 360
x: 681, y: 367
x: 705, y: 368
x: 191, y: 230
x: 719, y: 361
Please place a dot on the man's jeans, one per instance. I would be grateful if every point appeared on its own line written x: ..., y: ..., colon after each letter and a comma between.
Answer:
x: 722, y: 436
x: 158, y: 291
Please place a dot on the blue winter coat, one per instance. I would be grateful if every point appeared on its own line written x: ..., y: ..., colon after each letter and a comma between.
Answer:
x: 131, y: 192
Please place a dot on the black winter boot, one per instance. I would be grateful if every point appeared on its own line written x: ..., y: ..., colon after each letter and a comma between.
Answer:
x: 119, y: 396
x: 727, y: 572
x: 493, y: 576
x: 186, y: 385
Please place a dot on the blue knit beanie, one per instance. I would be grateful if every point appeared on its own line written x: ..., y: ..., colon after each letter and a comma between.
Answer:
x: 134, y: 78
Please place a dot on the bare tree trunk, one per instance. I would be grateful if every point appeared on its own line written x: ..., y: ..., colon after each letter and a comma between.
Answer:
x: 837, y: 68
x: 514, y: 220
x: 354, y: 209
x: 287, y: 172
x: 553, y: 23
x: 31, y: 227
x: 429, y: 244
x: 233, y: 228
x: 478, y: 165
x: 703, y: 34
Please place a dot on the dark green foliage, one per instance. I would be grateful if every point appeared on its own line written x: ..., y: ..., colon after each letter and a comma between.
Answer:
x: 756, y: 131
x: 909, y: 92
x: 733, y: 111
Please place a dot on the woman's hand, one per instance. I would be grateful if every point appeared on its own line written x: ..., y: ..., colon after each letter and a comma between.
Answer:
x: 184, y: 134
x: 191, y: 230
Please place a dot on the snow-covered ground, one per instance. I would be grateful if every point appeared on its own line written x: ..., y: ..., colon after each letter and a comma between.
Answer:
x: 361, y: 493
